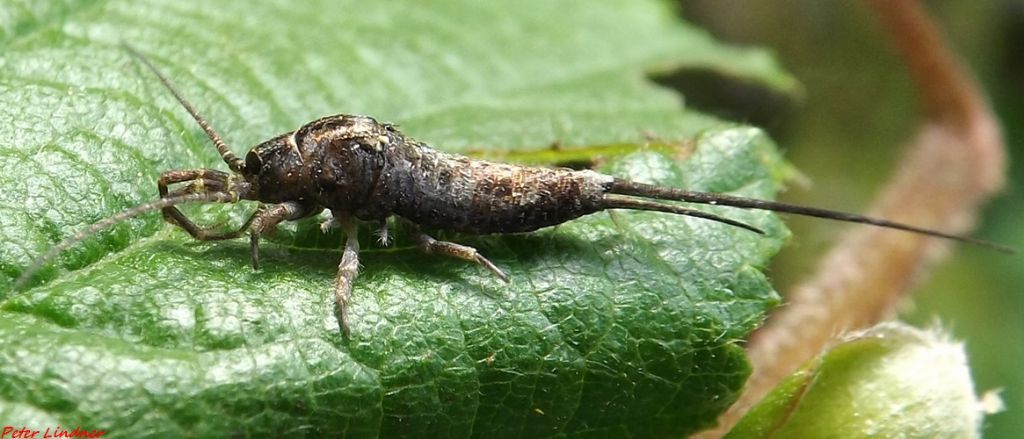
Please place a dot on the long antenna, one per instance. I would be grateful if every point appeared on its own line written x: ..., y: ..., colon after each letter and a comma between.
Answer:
x: 124, y: 215
x: 625, y: 187
x: 229, y: 157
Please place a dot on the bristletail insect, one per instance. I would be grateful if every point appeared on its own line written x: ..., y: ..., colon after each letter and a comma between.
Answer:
x: 363, y: 170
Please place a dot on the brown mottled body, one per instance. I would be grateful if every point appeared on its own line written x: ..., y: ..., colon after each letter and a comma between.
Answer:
x: 474, y: 196
x: 360, y: 169
x: 372, y: 171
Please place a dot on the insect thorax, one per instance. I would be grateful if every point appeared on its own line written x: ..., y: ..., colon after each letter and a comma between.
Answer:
x: 346, y: 160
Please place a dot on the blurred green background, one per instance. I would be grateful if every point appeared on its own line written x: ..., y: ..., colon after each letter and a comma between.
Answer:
x: 845, y: 135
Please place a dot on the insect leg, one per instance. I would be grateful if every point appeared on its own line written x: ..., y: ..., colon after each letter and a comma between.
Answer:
x: 382, y: 233
x: 205, y: 234
x: 431, y: 246
x: 266, y: 219
x: 183, y: 175
x: 329, y: 223
x: 204, y: 180
x: 348, y: 268
x: 211, y: 197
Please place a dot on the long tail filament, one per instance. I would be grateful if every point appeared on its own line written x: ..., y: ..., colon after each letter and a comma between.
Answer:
x: 626, y: 187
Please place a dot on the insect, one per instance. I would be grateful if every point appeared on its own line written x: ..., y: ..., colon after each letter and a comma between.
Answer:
x: 360, y: 169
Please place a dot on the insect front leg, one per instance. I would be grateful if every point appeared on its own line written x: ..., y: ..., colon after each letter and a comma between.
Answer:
x: 202, y: 180
x: 268, y: 218
x: 430, y: 245
x: 348, y: 268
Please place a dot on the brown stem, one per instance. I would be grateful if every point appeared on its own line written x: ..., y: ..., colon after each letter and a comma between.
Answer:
x: 953, y: 165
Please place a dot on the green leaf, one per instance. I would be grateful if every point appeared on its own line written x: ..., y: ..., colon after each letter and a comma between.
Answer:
x: 615, y: 324
x: 890, y: 381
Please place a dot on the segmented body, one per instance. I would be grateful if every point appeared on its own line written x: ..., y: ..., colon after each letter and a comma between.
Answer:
x: 373, y: 171
x: 440, y: 190
x: 361, y: 169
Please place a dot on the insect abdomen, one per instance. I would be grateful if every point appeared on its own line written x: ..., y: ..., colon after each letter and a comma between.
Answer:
x: 473, y: 196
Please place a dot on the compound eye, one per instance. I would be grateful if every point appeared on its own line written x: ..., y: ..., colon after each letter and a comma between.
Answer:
x: 253, y: 163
